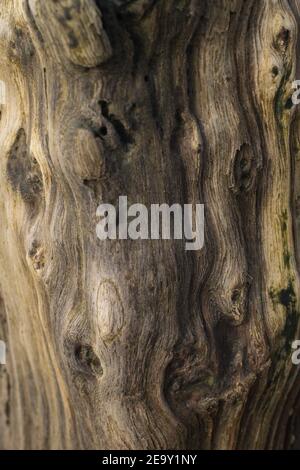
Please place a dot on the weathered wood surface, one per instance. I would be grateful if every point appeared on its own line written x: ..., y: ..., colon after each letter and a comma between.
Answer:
x: 134, y: 344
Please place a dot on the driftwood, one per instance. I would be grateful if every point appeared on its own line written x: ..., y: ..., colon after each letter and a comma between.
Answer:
x: 142, y: 344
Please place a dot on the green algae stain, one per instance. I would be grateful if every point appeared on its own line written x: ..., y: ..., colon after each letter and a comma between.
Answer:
x: 287, y: 298
x: 287, y: 259
x: 284, y: 227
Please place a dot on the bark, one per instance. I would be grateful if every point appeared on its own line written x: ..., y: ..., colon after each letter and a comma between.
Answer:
x: 141, y: 344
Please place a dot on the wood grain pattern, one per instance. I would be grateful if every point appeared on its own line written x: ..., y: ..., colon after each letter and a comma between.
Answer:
x: 140, y: 344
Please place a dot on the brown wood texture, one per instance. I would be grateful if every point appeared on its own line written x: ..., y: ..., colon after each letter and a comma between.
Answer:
x: 140, y: 344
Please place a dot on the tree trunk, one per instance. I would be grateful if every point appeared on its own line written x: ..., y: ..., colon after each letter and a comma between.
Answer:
x: 141, y: 344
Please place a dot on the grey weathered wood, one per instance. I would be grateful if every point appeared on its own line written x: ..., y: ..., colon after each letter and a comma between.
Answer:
x: 141, y: 344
